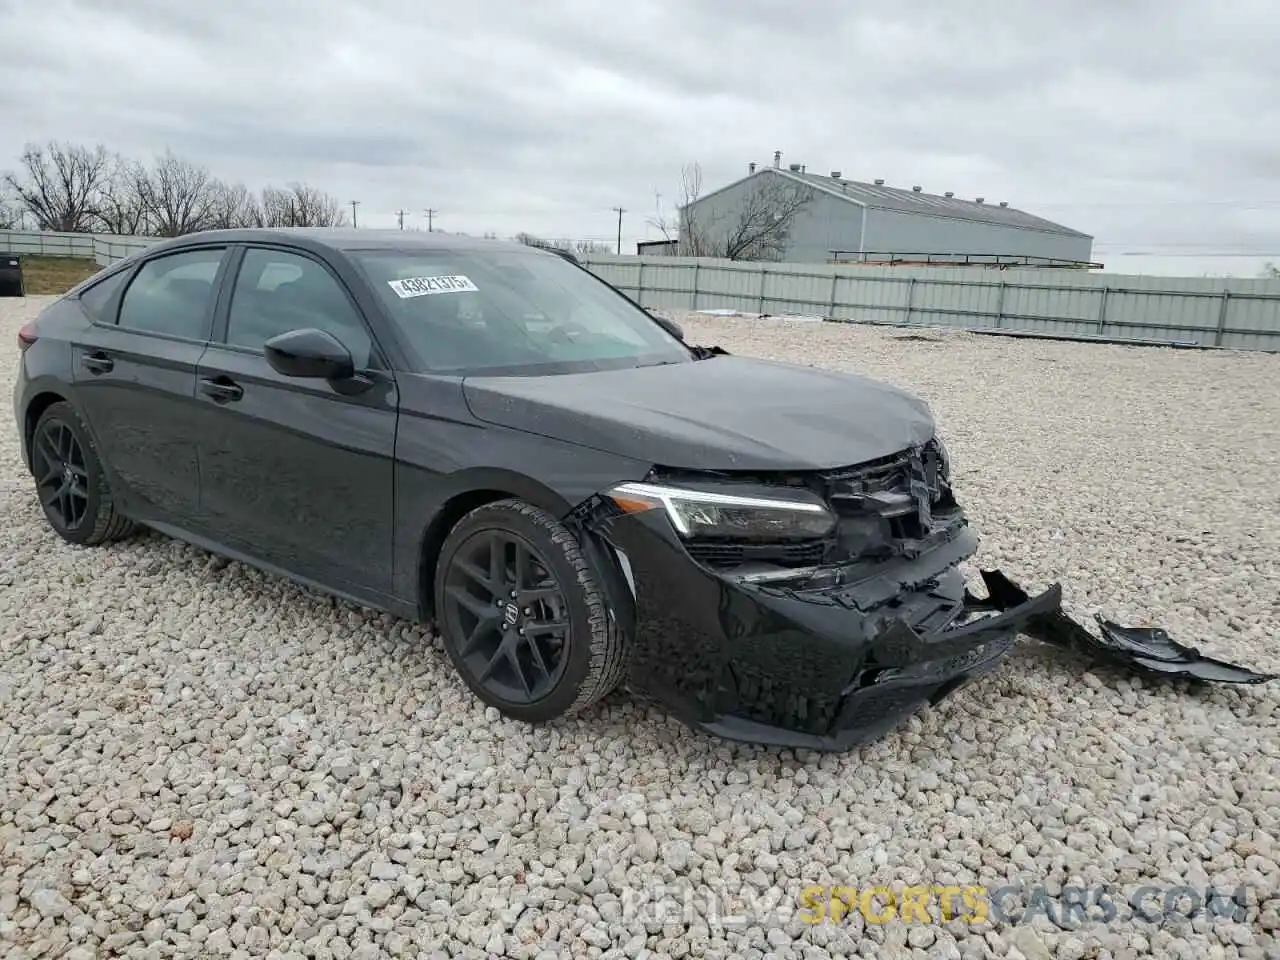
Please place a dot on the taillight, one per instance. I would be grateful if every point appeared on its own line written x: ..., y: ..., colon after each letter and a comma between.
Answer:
x: 27, y: 336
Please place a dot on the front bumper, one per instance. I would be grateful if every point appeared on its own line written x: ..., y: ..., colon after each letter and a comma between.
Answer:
x: 823, y: 667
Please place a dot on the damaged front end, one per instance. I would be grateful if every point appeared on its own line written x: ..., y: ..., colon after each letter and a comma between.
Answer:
x: 813, y: 609
x: 820, y: 609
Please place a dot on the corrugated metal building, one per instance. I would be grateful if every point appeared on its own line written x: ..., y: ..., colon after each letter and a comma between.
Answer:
x: 874, y: 223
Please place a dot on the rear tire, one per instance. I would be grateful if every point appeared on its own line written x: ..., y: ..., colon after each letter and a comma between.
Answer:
x: 70, y: 481
x: 508, y: 648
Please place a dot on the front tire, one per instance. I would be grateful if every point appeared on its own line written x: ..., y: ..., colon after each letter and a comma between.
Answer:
x: 70, y: 481
x: 523, y: 615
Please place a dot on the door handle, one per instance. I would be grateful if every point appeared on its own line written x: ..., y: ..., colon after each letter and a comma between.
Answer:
x: 98, y: 362
x: 221, y: 390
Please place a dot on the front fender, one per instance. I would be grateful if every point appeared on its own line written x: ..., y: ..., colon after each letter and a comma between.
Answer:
x: 434, y: 470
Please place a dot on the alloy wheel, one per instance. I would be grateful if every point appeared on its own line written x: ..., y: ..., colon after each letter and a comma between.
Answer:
x: 62, y: 479
x: 507, y: 614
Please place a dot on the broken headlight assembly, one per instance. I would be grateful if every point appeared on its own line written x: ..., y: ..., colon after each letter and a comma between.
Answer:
x: 944, y: 458
x: 710, y: 514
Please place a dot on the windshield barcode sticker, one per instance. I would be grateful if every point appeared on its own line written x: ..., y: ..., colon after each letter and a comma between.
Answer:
x: 424, y: 286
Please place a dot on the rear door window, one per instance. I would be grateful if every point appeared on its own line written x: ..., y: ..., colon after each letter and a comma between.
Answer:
x: 173, y: 295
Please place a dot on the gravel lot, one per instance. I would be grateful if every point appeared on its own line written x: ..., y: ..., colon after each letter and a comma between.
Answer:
x: 202, y: 760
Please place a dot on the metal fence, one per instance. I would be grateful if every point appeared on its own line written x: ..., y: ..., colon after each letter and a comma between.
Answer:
x: 104, y: 248
x: 1221, y: 312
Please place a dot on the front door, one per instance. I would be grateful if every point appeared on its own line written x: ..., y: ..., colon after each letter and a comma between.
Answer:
x: 297, y: 472
x: 135, y: 373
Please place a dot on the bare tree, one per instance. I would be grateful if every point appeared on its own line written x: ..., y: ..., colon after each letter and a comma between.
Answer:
x: 278, y: 208
x: 10, y: 212
x: 235, y: 208
x: 59, y: 184
x: 762, y: 226
x: 178, y: 196
x: 581, y: 248
x: 1270, y: 272
x: 75, y: 188
x: 529, y: 240
x: 298, y: 205
x: 755, y: 227
x: 688, y: 234
x: 121, y: 208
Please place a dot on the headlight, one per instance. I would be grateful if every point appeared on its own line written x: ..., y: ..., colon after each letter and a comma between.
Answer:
x: 702, y: 513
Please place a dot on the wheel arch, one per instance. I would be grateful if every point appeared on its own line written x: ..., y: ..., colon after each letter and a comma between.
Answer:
x: 36, y: 406
x: 470, y: 491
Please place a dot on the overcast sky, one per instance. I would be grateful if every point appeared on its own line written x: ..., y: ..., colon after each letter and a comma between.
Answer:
x: 1155, y: 126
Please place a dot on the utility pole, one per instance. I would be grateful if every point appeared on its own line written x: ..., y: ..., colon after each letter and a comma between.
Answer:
x: 400, y: 217
x: 430, y: 218
x: 354, y: 204
x: 620, y: 212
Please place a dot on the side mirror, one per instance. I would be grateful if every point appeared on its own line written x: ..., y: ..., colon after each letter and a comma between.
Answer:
x: 669, y: 325
x: 309, y: 353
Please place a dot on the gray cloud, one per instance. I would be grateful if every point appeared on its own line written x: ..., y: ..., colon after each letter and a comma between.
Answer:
x: 1146, y: 123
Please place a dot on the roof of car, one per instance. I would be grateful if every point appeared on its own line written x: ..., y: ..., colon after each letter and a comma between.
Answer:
x: 347, y: 239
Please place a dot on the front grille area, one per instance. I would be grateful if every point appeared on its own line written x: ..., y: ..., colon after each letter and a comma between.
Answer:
x: 728, y: 554
x: 879, y: 476
x: 847, y: 486
x: 886, y: 503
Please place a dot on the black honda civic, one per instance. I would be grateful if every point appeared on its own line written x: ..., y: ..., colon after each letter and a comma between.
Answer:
x: 489, y: 437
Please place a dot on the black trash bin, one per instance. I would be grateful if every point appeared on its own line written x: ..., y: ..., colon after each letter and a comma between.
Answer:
x: 11, y: 275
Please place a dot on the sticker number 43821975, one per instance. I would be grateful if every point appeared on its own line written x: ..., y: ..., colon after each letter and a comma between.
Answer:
x: 425, y: 286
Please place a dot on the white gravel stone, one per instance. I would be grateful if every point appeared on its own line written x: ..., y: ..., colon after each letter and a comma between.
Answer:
x: 50, y: 903
x: 377, y: 896
x: 383, y: 870
x: 201, y: 759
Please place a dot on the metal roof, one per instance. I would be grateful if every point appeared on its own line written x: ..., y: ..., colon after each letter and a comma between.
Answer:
x: 909, y: 201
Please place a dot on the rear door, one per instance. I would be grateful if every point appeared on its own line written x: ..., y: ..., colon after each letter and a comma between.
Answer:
x: 297, y: 472
x: 135, y: 372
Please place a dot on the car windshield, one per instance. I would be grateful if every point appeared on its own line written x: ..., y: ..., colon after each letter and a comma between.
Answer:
x: 512, y: 312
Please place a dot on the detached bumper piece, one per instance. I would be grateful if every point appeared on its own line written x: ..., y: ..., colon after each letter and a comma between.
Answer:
x: 1149, y: 651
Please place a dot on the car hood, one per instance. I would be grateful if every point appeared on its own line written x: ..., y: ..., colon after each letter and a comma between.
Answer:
x: 724, y: 413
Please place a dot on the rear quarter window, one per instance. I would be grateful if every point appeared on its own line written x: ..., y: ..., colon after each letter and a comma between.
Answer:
x: 98, y: 300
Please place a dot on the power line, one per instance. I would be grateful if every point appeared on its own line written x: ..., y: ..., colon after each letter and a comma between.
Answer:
x: 400, y: 217
x: 354, y: 223
x: 430, y: 217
